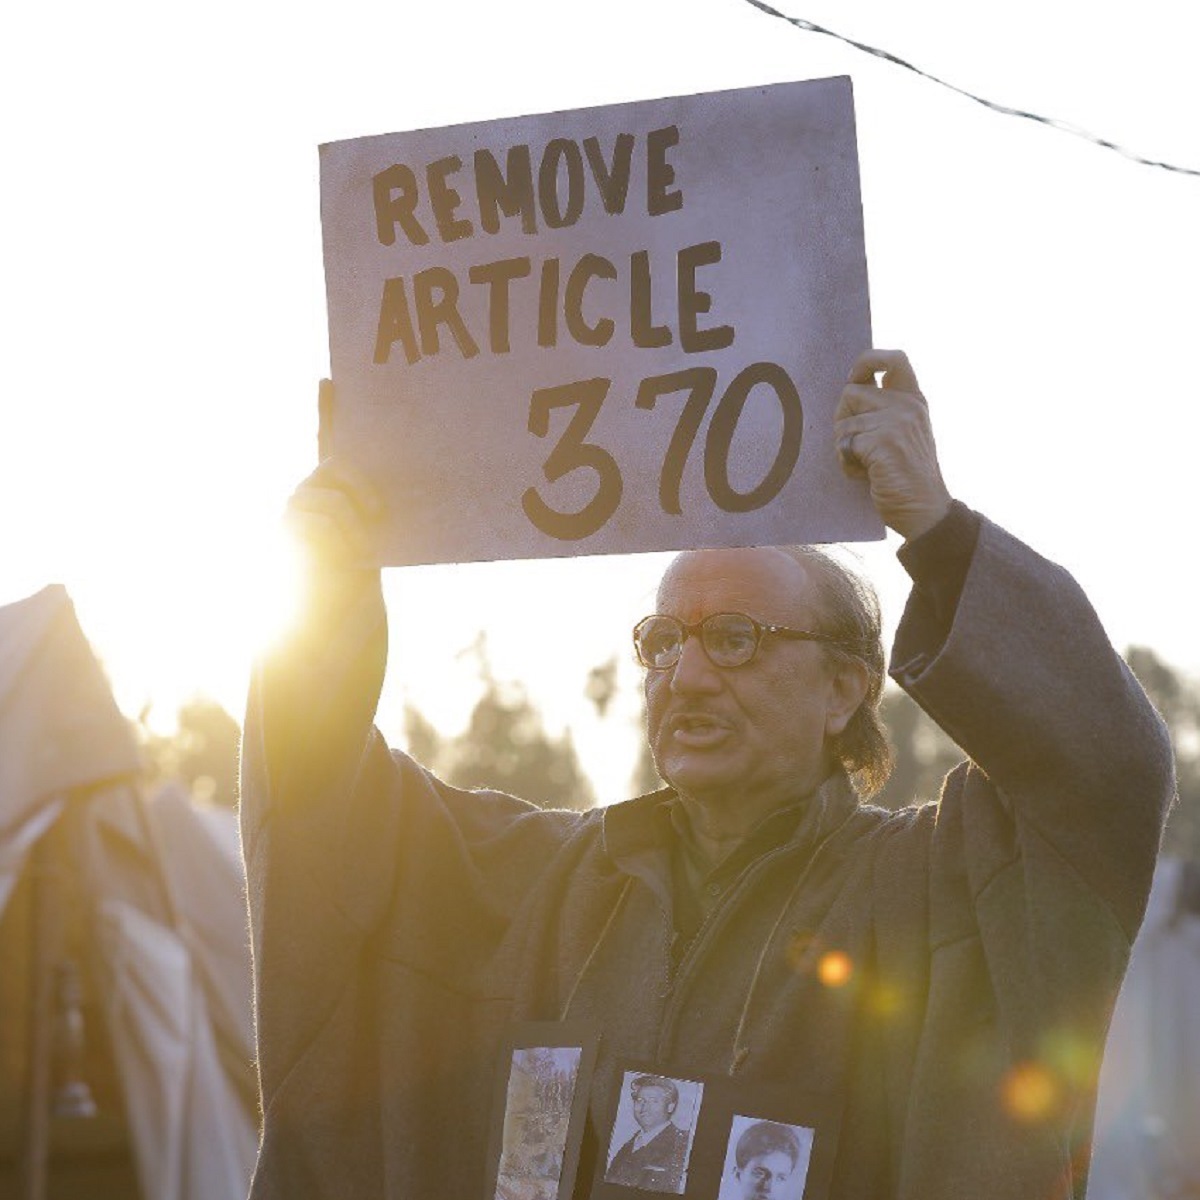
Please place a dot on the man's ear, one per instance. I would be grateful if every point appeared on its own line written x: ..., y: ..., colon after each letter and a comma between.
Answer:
x: 849, y: 682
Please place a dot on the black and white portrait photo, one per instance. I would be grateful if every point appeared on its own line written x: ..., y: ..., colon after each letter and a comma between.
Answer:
x: 652, y: 1134
x: 765, y: 1160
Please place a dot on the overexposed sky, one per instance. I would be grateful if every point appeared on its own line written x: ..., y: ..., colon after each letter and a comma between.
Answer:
x: 163, y: 299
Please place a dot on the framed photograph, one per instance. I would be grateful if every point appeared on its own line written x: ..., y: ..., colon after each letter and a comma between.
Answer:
x: 539, y: 1110
x: 651, y: 1140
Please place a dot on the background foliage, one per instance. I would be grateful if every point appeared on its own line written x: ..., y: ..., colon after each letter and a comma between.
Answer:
x: 505, y: 746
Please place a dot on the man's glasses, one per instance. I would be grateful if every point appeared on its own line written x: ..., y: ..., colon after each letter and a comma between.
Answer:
x: 729, y: 639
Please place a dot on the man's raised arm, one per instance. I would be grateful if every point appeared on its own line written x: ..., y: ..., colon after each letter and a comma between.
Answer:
x: 1004, y: 651
x: 317, y: 687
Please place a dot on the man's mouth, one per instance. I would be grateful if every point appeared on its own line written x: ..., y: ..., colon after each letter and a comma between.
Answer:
x: 697, y: 731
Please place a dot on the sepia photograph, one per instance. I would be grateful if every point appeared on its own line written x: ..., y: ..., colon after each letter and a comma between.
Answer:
x: 537, y: 1121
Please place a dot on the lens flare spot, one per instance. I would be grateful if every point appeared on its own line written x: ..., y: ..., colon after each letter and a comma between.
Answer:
x: 835, y: 969
x: 1031, y: 1092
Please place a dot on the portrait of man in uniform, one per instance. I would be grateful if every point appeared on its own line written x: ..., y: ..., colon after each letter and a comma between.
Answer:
x: 655, y: 1157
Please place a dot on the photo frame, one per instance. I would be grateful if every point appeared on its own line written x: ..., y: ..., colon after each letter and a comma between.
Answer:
x: 539, y: 1110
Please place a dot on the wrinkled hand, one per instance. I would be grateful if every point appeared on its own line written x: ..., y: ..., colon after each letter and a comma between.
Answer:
x: 883, y: 432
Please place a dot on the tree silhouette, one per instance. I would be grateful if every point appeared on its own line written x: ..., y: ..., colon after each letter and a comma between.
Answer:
x: 924, y: 753
x: 1178, y: 700
x: 505, y: 747
x: 601, y: 686
x: 202, y: 752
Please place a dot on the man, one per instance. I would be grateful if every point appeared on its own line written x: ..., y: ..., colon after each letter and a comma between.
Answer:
x: 655, y: 1157
x: 401, y: 926
x: 765, y: 1159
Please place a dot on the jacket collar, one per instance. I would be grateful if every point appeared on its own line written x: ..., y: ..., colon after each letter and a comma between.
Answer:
x: 638, y: 835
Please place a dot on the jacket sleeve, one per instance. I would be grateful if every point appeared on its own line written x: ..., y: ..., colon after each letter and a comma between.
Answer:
x: 355, y: 853
x: 1040, y: 853
x: 1056, y: 727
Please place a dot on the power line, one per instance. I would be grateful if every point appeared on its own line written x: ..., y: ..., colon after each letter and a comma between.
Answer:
x: 1006, y: 110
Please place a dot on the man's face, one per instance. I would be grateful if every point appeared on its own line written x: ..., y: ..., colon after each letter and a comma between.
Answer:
x: 754, y: 734
x: 652, y: 1106
x: 765, y: 1175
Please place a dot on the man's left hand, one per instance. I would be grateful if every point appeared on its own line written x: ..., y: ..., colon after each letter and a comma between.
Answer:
x: 883, y: 432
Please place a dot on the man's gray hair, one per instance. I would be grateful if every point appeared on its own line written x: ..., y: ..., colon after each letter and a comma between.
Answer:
x: 655, y: 1081
x: 850, y: 615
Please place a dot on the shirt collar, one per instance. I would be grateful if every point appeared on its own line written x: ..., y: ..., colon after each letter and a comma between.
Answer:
x: 638, y: 832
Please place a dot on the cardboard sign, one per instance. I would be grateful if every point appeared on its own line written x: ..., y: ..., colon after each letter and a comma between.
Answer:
x: 606, y: 330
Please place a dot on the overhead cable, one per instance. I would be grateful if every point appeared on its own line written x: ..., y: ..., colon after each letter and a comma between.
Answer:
x: 1006, y: 110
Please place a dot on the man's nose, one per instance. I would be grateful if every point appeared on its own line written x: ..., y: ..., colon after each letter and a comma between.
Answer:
x: 694, y: 672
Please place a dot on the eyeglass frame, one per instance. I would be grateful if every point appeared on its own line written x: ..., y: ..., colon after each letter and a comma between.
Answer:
x: 696, y: 629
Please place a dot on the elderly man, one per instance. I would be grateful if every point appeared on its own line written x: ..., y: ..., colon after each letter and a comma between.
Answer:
x: 401, y: 927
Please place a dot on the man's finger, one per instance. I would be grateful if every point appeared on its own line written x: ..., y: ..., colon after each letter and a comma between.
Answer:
x: 852, y: 464
x: 898, y: 374
x: 858, y: 398
x: 336, y: 475
x: 328, y: 520
x: 326, y: 400
x: 856, y: 440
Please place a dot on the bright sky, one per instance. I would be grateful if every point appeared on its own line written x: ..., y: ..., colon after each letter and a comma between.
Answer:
x: 163, y: 300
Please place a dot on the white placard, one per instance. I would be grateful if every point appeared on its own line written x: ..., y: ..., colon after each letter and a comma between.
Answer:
x: 606, y: 330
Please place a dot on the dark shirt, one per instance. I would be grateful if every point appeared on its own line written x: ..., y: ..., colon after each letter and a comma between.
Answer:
x: 697, y: 883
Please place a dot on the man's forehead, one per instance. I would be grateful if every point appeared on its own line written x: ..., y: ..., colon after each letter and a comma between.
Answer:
x: 743, y: 579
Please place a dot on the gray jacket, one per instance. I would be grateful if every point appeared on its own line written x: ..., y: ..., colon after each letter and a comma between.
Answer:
x: 400, y: 926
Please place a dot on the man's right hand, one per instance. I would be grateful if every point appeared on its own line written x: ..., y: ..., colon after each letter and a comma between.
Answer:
x: 329, y: 515
x: 318, y: 683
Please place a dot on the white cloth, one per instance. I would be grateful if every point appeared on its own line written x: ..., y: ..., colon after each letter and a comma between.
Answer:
x: 185, y: 1117
x: 170, y: 900
x: 1147, y: 1143
x: 164, y: 880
